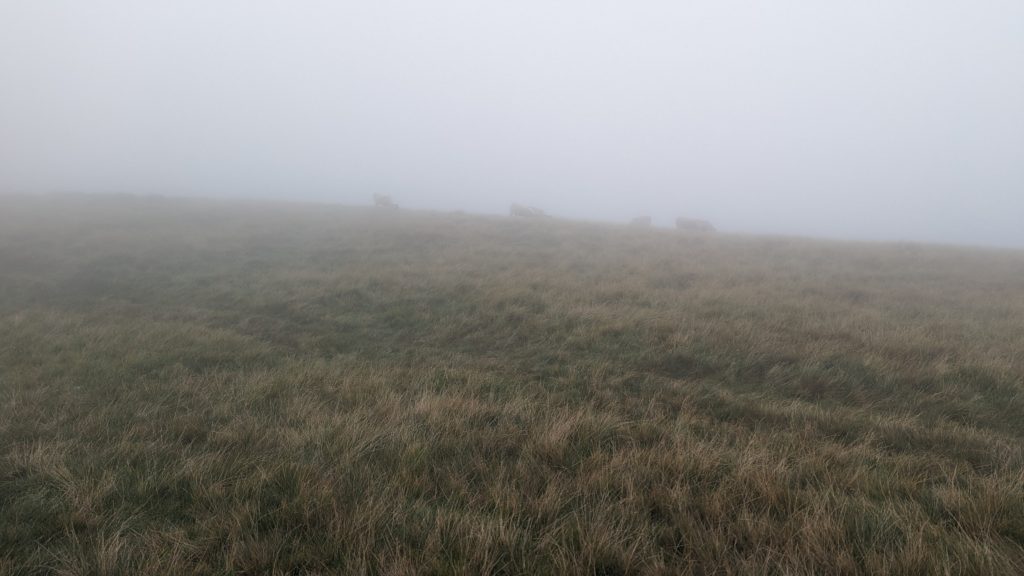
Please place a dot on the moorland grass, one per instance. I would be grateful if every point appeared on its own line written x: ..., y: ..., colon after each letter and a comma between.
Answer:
x: 200, y: 387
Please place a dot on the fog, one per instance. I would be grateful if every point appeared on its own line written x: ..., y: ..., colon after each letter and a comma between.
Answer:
x: 877, y: 120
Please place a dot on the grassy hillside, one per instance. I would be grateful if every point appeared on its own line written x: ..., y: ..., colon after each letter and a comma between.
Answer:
x: 192, y: 387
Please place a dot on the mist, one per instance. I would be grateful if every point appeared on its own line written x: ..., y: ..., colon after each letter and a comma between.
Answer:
x: 867, y: 120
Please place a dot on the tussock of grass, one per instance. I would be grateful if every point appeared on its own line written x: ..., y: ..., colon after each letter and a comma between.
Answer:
x: 205, y: 388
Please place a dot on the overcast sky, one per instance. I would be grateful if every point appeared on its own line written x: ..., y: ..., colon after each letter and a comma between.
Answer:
x: 895, y: 119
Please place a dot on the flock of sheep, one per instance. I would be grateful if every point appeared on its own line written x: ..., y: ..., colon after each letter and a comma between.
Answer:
x: 687, y: 224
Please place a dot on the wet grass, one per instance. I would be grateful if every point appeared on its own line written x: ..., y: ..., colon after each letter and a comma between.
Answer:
x: 194, y: 387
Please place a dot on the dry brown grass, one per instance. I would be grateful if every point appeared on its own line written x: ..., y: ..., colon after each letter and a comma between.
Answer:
x: 213, y: 388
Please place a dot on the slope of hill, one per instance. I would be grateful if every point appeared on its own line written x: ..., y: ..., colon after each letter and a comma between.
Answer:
x: 199, y: 387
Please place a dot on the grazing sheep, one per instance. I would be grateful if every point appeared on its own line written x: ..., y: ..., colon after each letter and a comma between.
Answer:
x: 526, y: 211
x: 383, y: 201
x: 691, y: 225
x: 641, y: 221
